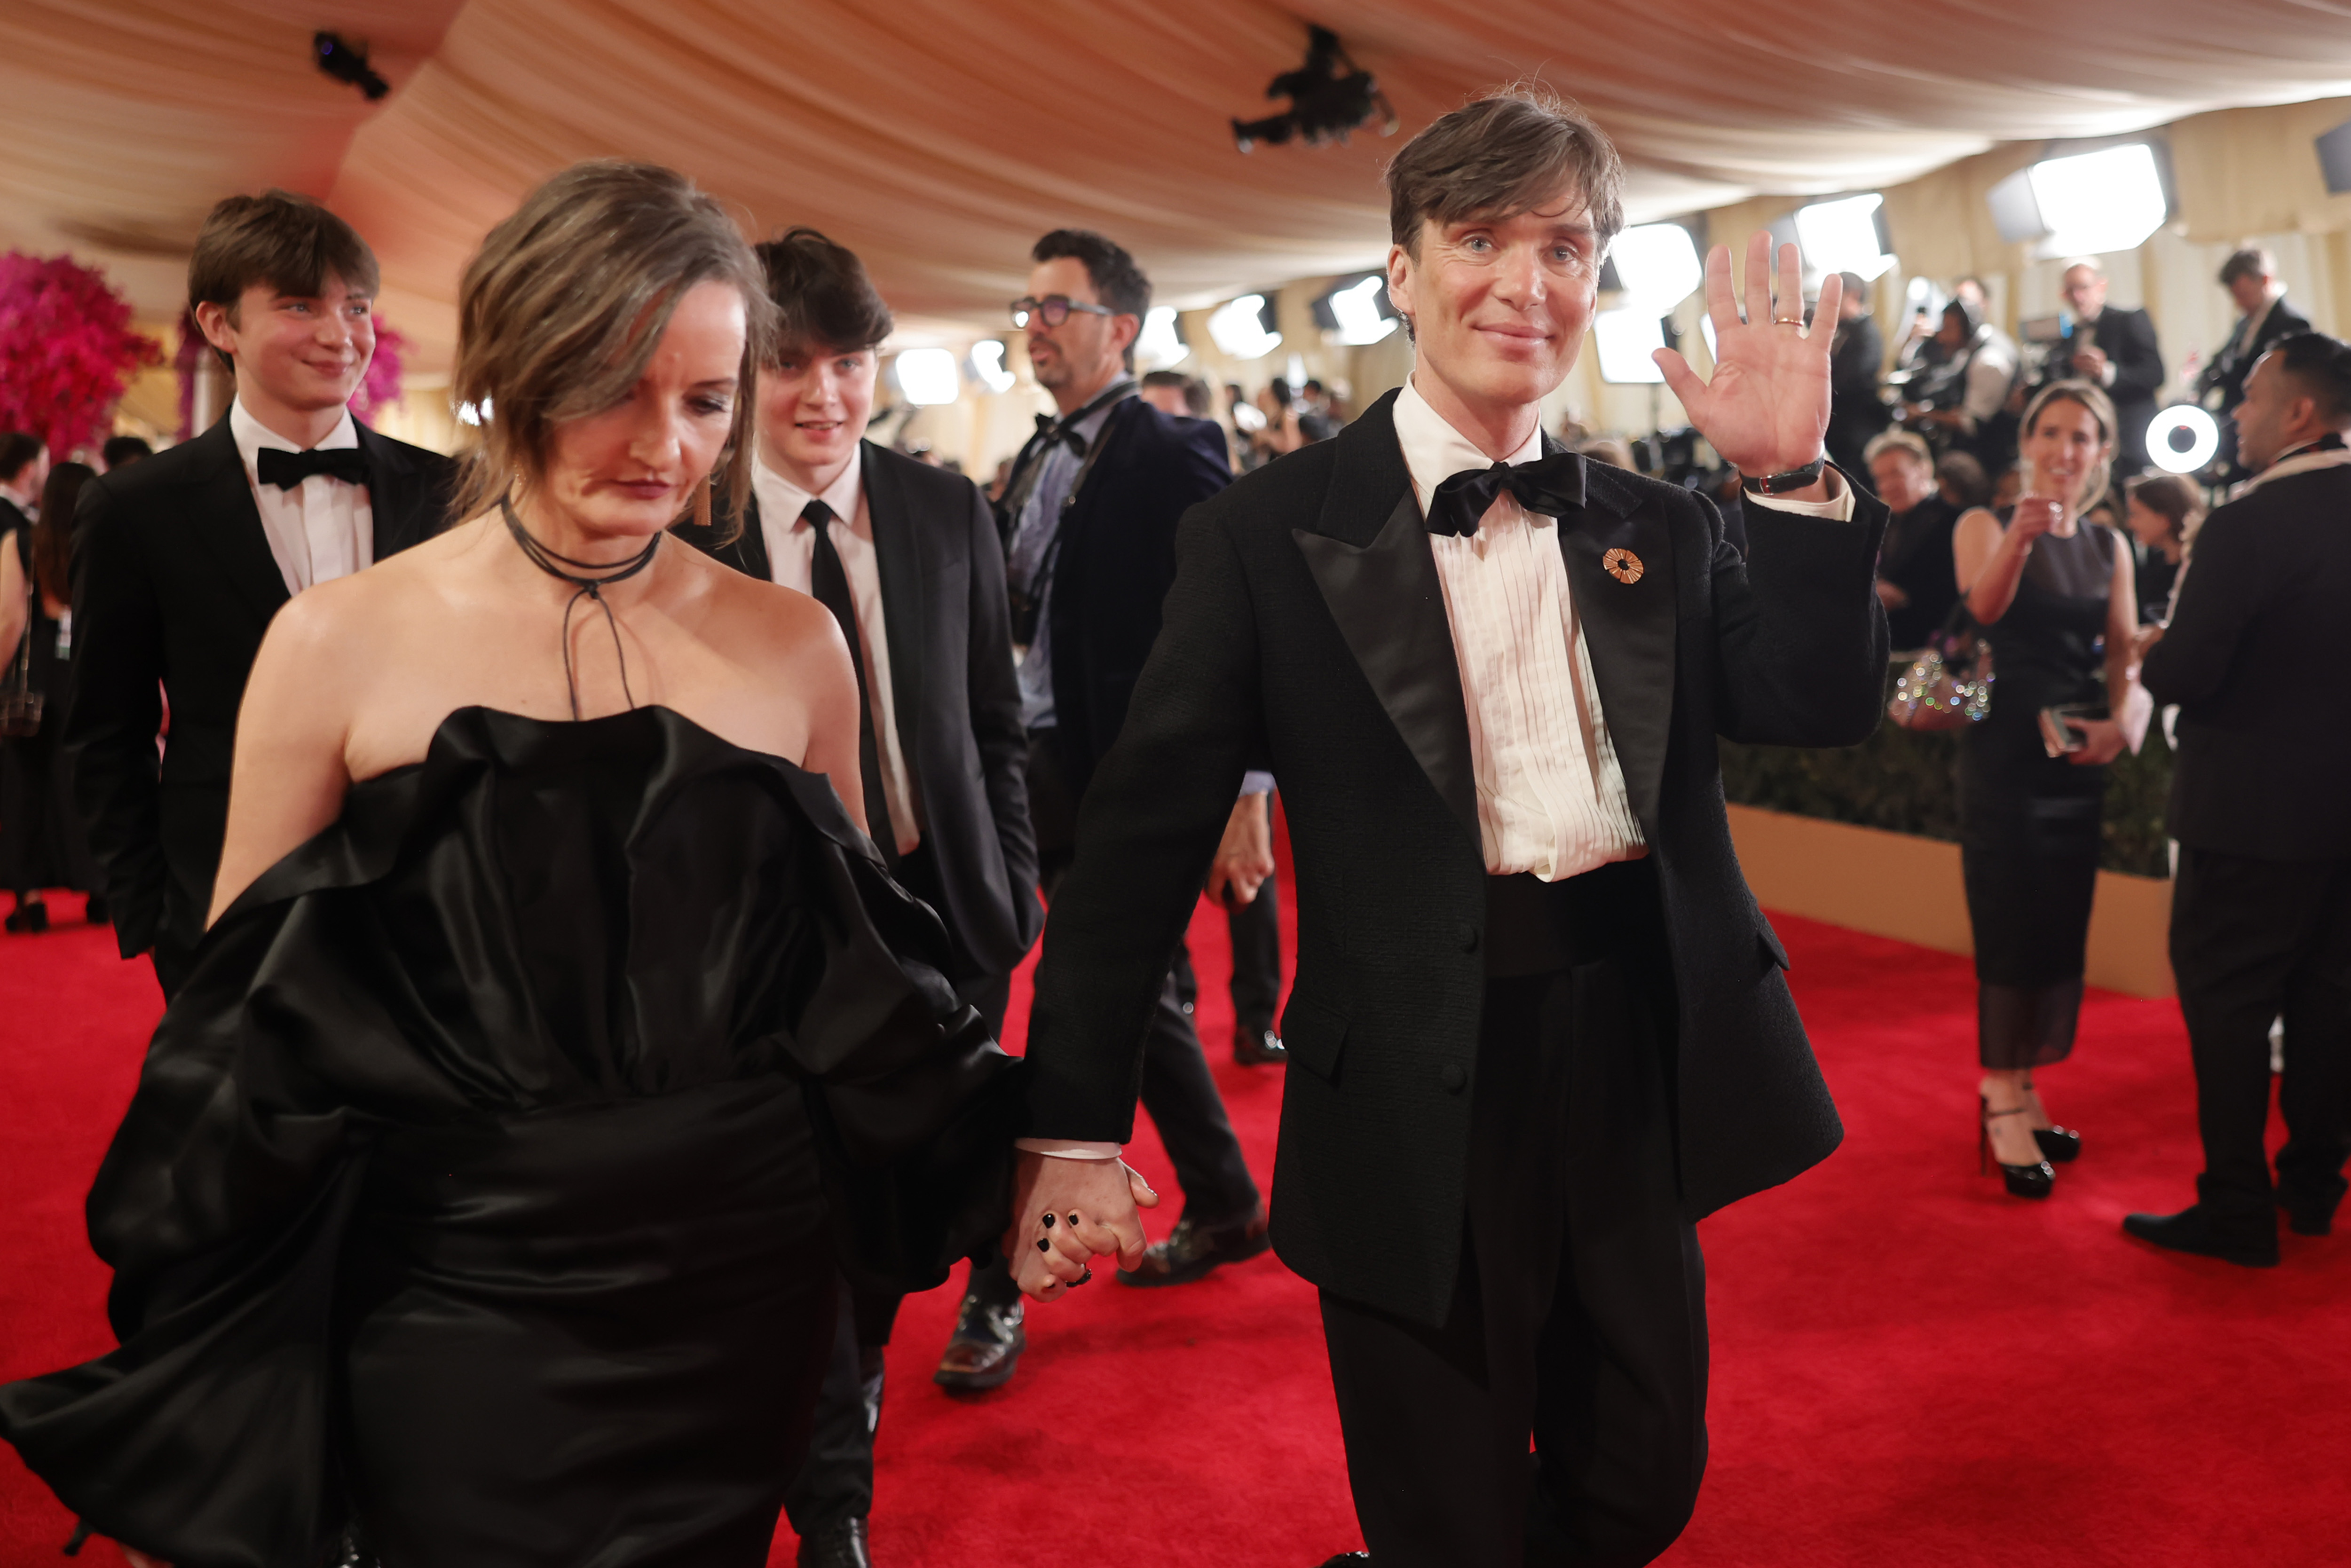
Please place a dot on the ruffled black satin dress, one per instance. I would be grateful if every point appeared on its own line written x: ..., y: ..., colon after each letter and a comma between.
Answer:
x: 485, y: 1191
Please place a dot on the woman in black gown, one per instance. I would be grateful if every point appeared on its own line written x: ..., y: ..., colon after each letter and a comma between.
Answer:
x: 2053, y: 594
x: 558, y: 1026
x: 41, y: 840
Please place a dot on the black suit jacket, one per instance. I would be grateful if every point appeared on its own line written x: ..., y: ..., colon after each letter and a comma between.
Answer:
x: 1307, y: 632
x: 2252, y: 658
x: 2127, y: 339
x: 2227, y: 372
x: 1857, y: 413
x: 1116, y: 558
x: 951, y: 682
x: 1918, y: 561
x: 174, y: 584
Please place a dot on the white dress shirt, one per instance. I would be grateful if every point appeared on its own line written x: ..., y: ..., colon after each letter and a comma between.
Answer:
x: 791, y: 557
x: 320, y: 530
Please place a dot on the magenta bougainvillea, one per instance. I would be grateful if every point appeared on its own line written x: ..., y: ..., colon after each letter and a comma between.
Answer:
x: 381, y: 386
x: 66, y: 350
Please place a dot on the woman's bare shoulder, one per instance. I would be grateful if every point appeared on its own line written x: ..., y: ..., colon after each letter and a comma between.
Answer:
x: 765, y: 623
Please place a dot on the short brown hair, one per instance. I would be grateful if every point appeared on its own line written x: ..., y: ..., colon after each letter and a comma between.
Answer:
x: 822, y: 294
x: 1503, y: 154
x: 2251, y: 261
x: 288, y: 242
x: 2101, y: 408
x: 566, y: 302
x: 2174, y: 498
x: 1909, y: 443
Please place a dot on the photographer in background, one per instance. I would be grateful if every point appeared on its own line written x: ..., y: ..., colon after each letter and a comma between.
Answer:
x: 1856, y: 357
x: 2113, y: 348
x: 2265, y: 320
x: 1915, y: 575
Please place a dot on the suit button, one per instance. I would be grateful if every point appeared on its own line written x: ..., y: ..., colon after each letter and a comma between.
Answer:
x: 1467, y: 934
x: 1455, y: 1077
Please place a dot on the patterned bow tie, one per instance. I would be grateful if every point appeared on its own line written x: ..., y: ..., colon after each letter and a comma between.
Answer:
x: 287, y: 469
x: 1552, y: 485
x: 1053, y: 430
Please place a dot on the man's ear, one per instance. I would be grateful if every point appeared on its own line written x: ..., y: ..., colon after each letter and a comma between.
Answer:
x: 1400, y: 282
x: 1125, y: 328
x: 217, y: 326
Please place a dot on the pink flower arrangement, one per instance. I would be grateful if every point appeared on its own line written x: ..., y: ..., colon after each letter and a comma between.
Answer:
x: 66, y: 350
x: 381, y: 385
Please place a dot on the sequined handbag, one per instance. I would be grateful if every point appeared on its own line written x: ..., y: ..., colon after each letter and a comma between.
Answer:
x: 1949, y: 687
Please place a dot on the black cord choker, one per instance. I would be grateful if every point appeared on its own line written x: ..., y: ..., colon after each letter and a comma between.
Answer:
x: 590, y: 578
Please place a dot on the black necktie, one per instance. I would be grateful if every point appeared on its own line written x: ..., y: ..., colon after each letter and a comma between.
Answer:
x: 287, y: 469
x: 828, y: 586
x: 1552, y: 485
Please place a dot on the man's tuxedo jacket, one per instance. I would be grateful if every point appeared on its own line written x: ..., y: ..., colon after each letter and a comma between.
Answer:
x: 1306, y: 632
x: 2127, y: 339
x: 173, y: 584
x: 1115, y: 557
x: 2254, y: 658
x: 958, y: 706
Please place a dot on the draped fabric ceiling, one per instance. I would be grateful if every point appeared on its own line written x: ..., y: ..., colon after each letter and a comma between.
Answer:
x: 940, y: 137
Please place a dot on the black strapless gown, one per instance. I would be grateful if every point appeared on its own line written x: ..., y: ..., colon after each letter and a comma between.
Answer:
x: 487, y: 1189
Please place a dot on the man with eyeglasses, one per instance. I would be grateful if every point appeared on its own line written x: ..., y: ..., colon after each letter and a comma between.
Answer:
x: 1089, y: 519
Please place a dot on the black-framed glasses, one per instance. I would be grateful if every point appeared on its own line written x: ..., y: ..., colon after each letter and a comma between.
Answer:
x: 1055, y: 309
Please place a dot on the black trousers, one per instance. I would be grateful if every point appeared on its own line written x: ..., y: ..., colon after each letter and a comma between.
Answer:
x: 2252, y: 940
x: 1578, y: 1322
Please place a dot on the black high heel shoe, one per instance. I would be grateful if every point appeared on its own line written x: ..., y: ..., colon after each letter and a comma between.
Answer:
x: 2023, y: 1181
x: 2057, y: 1144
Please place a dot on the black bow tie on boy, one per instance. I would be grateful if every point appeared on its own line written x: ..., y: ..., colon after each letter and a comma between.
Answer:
x: 1552, y: 485
x: 287, y: 469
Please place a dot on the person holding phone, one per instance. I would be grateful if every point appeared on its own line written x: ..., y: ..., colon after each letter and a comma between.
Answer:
x: 2054, y: 594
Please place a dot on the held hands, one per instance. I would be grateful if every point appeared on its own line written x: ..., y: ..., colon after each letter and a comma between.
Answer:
x: 1065, y: 1213
x: 1767, y: 407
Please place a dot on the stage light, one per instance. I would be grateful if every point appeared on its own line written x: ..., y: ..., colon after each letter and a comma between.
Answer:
x: 1328, y: 99
x: 1241, y: 328
x: 2334, y: 159
x: 2098, y: 202
x: 1161, y: 342
x: 1656, y: 265
x: 347, y: 62
x: 988, y: 365
x: 1842, y: 237
x: 1362, y: 310
x: 1626, y: 340
x: 927, y: 376
x: 2183, y: 422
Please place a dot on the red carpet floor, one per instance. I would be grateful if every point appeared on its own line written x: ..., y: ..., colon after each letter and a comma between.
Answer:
x: 1911, y: 1368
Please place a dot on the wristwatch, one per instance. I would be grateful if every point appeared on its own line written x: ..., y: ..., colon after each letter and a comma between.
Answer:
x: 1781, y: 483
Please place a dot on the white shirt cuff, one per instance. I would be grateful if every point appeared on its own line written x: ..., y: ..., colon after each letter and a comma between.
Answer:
x: 1839, y: 505
x: 1068, y: 1149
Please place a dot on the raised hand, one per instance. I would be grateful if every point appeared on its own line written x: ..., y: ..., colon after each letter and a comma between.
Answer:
x: 1065, y: 1214
x: 1767, y: 407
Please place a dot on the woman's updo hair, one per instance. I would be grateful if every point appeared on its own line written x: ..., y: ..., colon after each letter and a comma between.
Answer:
x: 2093, y: 397
x: 562, y: 308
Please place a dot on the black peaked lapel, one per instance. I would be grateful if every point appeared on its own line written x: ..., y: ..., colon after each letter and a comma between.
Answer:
x: 899, y: 557
x: 1630, y: 627
x: 400, y: 511
x: 229, y: 524
x: 1370, y: 557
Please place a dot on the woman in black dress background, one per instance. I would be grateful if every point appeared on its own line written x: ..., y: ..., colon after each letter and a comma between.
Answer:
x: 41, y: 840
x: 558, y: 1029
x: 2053, y: 594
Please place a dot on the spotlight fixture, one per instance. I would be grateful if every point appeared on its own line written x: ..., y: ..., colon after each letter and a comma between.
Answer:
x: 928, y: 377
x: 347, y: 62
x: 988, y: 365
x: 2182, y: 439
x: 1243, y: 327
x: 1328, y: 99
x: 2086, y: 204
x: 1161, y: 343
x: 1358, y: 310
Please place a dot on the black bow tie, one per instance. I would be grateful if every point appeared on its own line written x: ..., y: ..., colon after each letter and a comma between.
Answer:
x: 1052, y: 430
x: 287, y: 469
x: 1552, y: 485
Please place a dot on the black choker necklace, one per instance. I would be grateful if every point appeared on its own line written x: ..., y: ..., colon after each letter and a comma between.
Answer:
x: 590, y: 578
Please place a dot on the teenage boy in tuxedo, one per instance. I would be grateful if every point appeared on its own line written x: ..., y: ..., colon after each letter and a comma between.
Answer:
x: 180, y: 560
x: 1539, y: 1027
x: 905, y: 556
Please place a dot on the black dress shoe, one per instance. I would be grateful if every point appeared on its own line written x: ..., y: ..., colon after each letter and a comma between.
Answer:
x: 1362, y: 1560
x: 1195, y: 1250
x: 2252, y: 1241
x: 985, y: 1350
x: 840, y: 1545
x: 28, y: 917
x: 2306, y: 1215
x: 94, y: 911
x: 1259, y: 1048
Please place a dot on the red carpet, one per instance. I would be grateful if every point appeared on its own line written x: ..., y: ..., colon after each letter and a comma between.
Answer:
x: 1910, y: 1367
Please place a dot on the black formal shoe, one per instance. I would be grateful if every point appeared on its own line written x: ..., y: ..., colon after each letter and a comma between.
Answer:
x: 986, y: 1347
x: 840, y: 1545
x: 33, y: 917
x: 1259, y: 1048
x: 2251, y: 1242
x: 2025, y: 1181
x: 1362, y: 1559
x: 94, y: 911
x: 2307, y: 1215
x: 1195, y: 1250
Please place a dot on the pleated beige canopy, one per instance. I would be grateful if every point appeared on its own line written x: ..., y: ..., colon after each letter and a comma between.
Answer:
x: 940, y: 137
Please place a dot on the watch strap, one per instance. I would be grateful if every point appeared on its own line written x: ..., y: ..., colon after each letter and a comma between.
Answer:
x: 1781, y: 483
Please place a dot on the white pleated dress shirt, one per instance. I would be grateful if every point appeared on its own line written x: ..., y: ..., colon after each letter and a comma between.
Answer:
x: 791, y: 559
x: 320, y: 530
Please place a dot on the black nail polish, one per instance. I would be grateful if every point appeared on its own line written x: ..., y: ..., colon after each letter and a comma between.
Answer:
x: 1073, y: 1217
x: 1043, y: 1245
x: 1049, y: 1222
